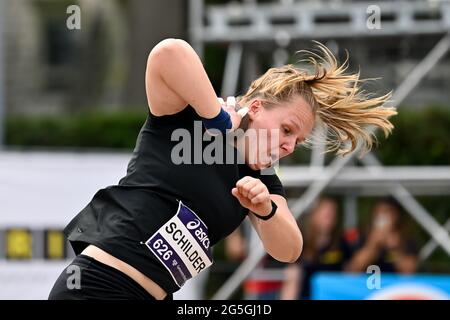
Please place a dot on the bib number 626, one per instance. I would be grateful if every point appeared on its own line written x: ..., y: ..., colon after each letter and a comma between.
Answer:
x: 162, y: 249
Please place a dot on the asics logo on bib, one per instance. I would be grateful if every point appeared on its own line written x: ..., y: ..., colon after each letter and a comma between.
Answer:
x: 193, y: 224
x: 201, y: 235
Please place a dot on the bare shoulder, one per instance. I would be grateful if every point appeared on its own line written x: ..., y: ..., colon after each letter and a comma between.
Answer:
x: 162, y: 100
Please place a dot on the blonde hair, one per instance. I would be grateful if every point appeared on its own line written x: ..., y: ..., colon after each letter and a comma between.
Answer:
x: 336, y: 99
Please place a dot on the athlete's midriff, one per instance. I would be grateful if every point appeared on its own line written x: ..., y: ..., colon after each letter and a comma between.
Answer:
x: 104, y: 257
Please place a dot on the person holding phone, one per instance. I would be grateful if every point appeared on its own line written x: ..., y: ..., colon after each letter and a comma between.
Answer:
x: 387, y: 243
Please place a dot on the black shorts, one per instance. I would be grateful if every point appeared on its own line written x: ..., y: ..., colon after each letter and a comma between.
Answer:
x: 86, y: 278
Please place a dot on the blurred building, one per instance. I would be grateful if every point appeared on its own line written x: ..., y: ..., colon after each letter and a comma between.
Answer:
x: 53, y: 69
x: 50, y: 68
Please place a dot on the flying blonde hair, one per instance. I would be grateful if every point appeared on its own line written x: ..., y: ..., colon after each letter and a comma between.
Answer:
x: 335, y: 96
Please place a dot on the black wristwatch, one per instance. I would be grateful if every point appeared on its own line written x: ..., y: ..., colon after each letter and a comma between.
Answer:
x: 271, y: 214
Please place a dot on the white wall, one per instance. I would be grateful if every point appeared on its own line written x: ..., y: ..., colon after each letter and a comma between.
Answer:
x: 40, y: 190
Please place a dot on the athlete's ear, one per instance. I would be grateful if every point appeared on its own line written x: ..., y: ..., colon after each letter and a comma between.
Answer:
x: 255, y: 107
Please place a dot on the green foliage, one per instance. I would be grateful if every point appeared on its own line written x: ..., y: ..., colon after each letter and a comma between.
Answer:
x: 90, y: 130
x: 420, y: 137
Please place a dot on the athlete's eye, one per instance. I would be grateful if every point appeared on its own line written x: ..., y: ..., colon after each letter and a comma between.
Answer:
x: 286, y: 130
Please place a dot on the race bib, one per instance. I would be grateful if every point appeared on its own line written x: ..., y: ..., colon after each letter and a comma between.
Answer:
x: 182, y: 245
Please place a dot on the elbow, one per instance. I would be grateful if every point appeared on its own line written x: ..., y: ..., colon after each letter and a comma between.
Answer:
x: 297, y: 251
x: 168, y: 48
x: 290, y: 253
x: 291, y: 257
x: 167, y: 55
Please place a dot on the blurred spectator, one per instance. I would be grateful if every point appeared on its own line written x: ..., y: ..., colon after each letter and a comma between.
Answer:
x: 264, y: 282
x: 258, y: 285
x: 324, y: 250
x: 387, y: 243
x: 235, y: 246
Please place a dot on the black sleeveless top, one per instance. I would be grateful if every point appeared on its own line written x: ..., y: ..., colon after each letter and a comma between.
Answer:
x: 121, y: 218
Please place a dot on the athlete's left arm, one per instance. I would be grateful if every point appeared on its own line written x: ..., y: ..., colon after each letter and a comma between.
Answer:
x: 280, y: 234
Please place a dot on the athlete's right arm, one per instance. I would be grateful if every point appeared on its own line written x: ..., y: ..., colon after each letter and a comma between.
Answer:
x: 175, y: 77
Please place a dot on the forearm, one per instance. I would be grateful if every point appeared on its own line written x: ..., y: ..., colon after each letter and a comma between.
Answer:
x: 280, y: 235
x: 182, y: 71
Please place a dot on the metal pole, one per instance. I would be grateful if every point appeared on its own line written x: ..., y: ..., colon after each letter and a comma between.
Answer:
x: 350, y: 211
x: 416, y: 75
x: 232, y: 67
x: 196, y: 8
x: 431, y: 245
x: 338, y: 163
x: 2, y: 73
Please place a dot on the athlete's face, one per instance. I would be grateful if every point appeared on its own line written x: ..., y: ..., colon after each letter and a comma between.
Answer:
x: 274, y: 132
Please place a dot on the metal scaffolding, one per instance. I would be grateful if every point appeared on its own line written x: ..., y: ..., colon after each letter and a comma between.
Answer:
x: 281, y: 23
x: 261, y: 22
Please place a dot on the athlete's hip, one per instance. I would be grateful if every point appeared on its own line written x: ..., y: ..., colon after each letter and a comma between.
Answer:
x: 104, y: 257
